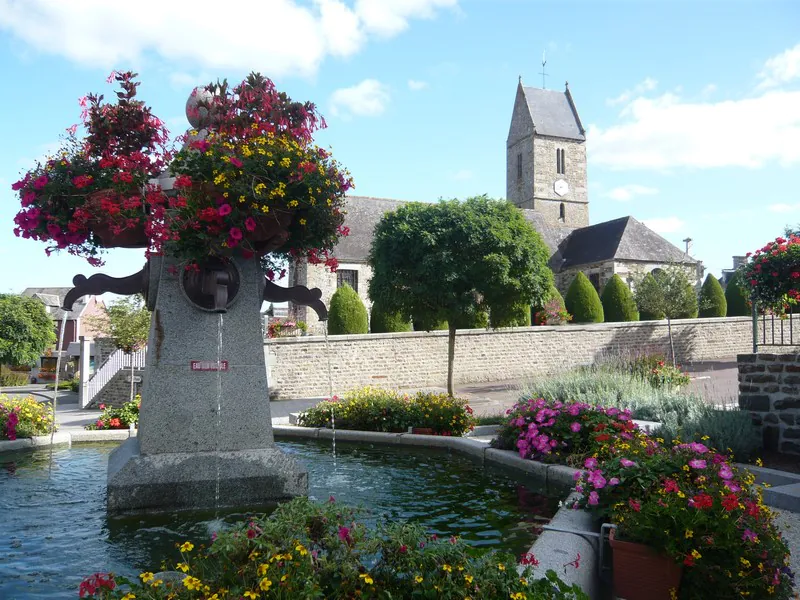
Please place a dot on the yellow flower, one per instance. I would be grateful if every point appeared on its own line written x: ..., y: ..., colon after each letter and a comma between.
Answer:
x: 265, y: 584
x: 192, y: 583
x: 689, y: 533
x: 517, y: 596
x: 468, y: 578
x: 447, y: 568
x: 249, y: 594
x: 301, y: 549
x: 367, y: 579
x: 129, y: 596
x: 147, y: 576
x: 759, y: 462
x: 262, y: 569
x: 187, y: 547
x: 696, y: 555
x: 182, y: 567
x: 302, y: 221
x: 418, y: 579
x: 501, y: 567
x: 745, y: 562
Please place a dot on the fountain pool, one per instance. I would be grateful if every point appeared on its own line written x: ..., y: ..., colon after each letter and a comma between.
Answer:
x: 55, y: 530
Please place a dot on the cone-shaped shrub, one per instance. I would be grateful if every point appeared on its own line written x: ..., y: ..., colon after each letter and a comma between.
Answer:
x: 582, y: 301
x: 347, y: 313
x: 618, y: 303
x: 644, y: 315
x: 736, y: 297
x: 385, y: 322
x: 712, y: 298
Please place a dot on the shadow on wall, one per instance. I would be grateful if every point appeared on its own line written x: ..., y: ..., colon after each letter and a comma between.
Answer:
x: 651, y: 338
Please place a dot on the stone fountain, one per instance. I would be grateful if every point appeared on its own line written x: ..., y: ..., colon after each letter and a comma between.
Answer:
x: 205, y: 435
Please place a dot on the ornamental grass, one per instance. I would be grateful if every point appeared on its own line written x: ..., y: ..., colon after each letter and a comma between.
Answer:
x: 374, y: 409
x: 24, y: 417
x: 308, y: 550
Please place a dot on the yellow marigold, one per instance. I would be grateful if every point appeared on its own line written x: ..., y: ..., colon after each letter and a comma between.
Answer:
x: 192, y: 583
x: 182, y: 567
x: 301, y: 549
x: 146, y: 576
x: 265, y: 584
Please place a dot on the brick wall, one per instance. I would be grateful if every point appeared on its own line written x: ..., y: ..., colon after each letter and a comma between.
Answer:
x: 769, y: 387
x: 298, y: 366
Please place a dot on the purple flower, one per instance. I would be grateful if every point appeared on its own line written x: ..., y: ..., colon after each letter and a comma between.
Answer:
x: 627, y: 463
x: 699, y: 448
x: 577, y: 475
x: 732, y: 486
x: 594, y: 498
x: 575, y: 427
x: 725, y: 472
x: 697, y: 463
x: 590, y: 463
x: 596, y: 479
x: 613, y: 481
x: 749, y: 536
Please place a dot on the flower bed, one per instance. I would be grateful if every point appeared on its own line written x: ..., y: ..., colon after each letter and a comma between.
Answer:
x: 314, y: 550
x: 286, y: 328
x: 118, y: 418
x: 373, y: 409
x: 24, y: 417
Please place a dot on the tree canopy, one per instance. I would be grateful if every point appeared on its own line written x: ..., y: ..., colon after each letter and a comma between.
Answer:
x: 126, y: 322
x: 26, y: 330
x: 450, y: 260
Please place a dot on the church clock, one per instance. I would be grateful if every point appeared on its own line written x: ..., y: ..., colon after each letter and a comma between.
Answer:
x: 561, y: 187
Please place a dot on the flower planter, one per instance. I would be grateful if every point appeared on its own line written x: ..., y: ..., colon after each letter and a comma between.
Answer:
x: 640, y: 573
x: 271, y: 232
x: 130, y: 237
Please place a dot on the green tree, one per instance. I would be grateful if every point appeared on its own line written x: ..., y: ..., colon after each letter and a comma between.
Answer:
x: 126, y: 323
x: 736, y: 297
x: 692, y: 305
x: 667, y: 293
x: 647, y: 285
x: 618, y: 302
x: 712, y: 298
x: 582, y: 301
x: 519, y: 317
x: 451, y: 260
x: 381, y: 321
x: 347, y: 314
x: 26, y: 330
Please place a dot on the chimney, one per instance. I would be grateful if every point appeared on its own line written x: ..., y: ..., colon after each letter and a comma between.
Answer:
x: 738, y: 261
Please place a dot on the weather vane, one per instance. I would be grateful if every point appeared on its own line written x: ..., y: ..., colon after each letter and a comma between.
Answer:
x: 543, y: 73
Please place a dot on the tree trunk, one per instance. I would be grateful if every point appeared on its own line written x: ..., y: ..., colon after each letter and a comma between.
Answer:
x: 671, y: 343
x: 132, y: 384
x: 451, y: 355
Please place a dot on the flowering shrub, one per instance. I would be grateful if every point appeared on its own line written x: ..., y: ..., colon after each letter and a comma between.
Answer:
x: 118, y: 418
x: 689, y: 503
x: 311, y: 550
x: 373, y: 409
x: 553, y: 313
x: 284, y: 327
x: 773, y: 274
x: 24, y: 417
x: 566, y: 432
x: 655, y: 369
x: 101, y: 178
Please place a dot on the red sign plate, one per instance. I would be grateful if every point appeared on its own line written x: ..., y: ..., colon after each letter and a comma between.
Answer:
x: 209, y: 365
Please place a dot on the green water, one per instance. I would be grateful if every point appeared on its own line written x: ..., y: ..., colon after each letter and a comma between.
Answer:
x: 54, y: 529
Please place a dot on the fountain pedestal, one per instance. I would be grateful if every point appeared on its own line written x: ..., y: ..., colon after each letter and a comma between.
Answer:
x: 205, y: 435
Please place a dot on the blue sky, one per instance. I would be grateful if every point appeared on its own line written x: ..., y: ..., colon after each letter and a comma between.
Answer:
x: 692, y: 108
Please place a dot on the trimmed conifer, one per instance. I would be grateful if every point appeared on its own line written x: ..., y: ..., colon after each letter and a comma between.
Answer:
x: 618, y: 303
x: 712, y: 298
x: 692, y: 308
x: 381, y: 321
x: 582, y: 301
x: 736, y: 297
x: 347, y: 313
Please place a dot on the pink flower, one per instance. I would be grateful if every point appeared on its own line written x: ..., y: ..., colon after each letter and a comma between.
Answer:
x: 344, y: 534
x: 236, y: 162
x: 749, y: 536
x: 575, y: 427
x: 636, y: 506
x: 224, y: 209
x: 590, y: 463
x: 250, y: 224
x: 40, y: 182
x: 594, y: 498
x: 627, y: 463
x: 725, y: 472
x: 236, y: 233
x: 697, y: 463
x: 613, y: 481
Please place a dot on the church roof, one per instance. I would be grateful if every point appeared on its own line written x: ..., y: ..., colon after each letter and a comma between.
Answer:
x: 552, y: 234
x: 619, y: 239
x: 362, y: 215
x: 554, y: 113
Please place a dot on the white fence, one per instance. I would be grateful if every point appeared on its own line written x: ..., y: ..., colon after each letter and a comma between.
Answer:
x: 118, y: 361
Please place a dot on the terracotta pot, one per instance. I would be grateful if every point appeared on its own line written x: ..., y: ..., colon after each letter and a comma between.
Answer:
x: 423, y: 430
x: 130, y: 237
x: 640, y: 573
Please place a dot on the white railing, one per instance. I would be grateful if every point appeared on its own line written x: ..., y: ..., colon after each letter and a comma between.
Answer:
x: 118, y: 361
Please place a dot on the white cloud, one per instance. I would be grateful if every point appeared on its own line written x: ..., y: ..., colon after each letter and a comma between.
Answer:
x: 462, y: 175
x: 416, y: 85
x: 368, y: 99
x: 665, y: 224
x: 784, y: 208
x: 781, y: 68
x: 666, y: 132
x: 647, y: 85
x: 277, y: 37
x: 624, y: 193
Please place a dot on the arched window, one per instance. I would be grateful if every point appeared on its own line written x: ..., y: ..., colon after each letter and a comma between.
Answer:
x: 558, y: 161
x: 562, y: 212
x: 561, y: 163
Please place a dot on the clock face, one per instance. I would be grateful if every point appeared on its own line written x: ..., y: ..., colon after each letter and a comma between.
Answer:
x: 561, y: 187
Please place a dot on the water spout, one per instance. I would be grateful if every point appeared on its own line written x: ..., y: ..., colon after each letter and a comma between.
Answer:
x: 55, y: 388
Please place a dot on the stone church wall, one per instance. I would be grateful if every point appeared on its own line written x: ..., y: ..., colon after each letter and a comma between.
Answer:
x: 406, y: 360
x: 576, y: 201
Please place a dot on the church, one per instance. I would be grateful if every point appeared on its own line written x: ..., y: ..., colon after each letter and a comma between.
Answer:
x: 546, y: 177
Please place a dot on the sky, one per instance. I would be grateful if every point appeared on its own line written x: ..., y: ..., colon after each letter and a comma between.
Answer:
x: 692, y: 107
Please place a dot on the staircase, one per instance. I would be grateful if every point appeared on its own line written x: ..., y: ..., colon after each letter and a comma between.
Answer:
x: 115, y: 363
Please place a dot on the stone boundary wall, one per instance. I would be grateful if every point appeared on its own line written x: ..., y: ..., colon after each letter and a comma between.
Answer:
x: 769, y: 387
x: 297, y: 367
x: 118, y: 391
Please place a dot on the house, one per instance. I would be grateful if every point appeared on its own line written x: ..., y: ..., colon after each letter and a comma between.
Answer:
x: 546, y: 177
x: 77, y: 320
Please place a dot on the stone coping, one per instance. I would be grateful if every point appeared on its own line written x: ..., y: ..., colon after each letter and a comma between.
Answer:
x: 319, y: 339
x: 73, y: 436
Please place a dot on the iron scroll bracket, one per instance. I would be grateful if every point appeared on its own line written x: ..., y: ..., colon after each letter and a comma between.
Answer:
x: 101, y: 283
x: 299, y: 294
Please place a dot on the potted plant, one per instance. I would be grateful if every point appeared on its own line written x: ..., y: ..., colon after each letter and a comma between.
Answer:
x: 92, y: 193
x: 773, y: 273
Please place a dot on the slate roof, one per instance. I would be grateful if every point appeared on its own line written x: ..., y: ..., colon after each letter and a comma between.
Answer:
x: 619, y: 239
x: 363, y: 214
x: 53, y: 297
x: 554, y: 113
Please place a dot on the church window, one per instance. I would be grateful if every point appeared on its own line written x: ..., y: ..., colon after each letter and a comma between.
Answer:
x: 558, y: 161
x: 594, y: 279
x: 519, y: 165
x: 562, y: 212
x: 561, y: 163
x: 348, y: 276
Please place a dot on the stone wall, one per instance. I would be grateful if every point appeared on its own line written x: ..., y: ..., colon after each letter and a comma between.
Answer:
x: 298, y: 366
x: 118, y: 391
x: 546, y: 201
x: 769, y: 387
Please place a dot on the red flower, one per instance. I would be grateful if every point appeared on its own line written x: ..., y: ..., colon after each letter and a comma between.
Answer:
x: 604, y: 437
x: 730, y: 502
x: 701, y: 501
x: 689, y: 560
x: 529, y: 559
x: 636, y: 506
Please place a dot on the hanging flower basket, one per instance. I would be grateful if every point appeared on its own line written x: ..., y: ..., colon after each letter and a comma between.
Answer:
x: 642, y: 574
x: 108, y: 228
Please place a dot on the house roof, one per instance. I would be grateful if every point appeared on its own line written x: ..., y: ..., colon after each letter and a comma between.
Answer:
x: 619, y: 239
x: 362, y: 215
x: 53, y: 298
x: 552, y: 234
x: 554, y: 113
